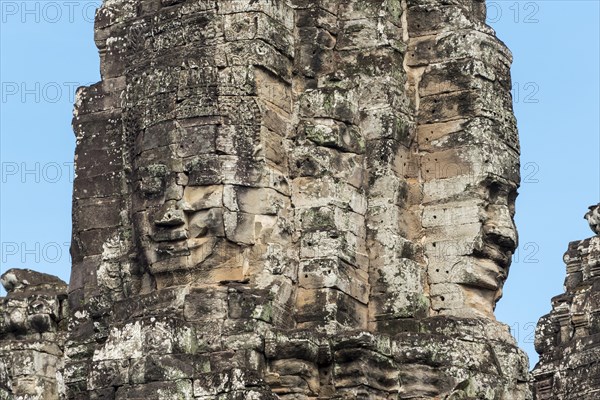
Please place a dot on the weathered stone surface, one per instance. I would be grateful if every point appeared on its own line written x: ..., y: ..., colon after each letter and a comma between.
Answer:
x: 293, y: 200
x: 567, y: 337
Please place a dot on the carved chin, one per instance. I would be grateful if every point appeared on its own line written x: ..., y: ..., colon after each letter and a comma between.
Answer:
x: 481, y: 301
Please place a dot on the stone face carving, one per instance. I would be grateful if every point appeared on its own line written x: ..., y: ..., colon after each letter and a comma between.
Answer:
x: 289, y: 199
x: 593, y: 218
x: 566, y: 337
x: 33, y: 326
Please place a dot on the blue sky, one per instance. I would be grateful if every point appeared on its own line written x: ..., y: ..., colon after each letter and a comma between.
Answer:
x: 47, y: 50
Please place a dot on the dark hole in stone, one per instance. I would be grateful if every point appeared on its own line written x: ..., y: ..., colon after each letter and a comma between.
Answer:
x: 442, y: 298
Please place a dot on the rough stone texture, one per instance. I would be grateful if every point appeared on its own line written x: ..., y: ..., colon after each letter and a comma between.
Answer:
x: 33, y: 326
x: 567, y: 338
x: 294, y: 200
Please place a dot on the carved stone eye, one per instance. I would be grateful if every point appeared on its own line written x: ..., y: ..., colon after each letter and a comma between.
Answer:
x: 151, y: 186
x: 500, y: 193
x: 495, y: 191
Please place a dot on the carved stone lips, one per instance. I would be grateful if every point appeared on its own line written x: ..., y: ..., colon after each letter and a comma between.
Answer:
x: 169, y: 235
x: 173, y: 249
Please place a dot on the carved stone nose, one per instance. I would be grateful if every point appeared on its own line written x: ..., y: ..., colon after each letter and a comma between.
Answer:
x: 170, y: 217
x: 501, y: 235
x: 500, y: 227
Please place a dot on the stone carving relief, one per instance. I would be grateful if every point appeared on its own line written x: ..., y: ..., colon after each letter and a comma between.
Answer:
x: 289, y: 199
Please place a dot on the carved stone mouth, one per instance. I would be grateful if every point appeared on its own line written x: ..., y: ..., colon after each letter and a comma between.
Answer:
x: 500, y: 255
x: 169, y: 235
x: 487, y: 274
x: 172, y: 249
x: 497, y: 246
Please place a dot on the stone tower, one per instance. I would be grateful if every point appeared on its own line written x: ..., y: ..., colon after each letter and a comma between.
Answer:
x: 294, y: 200
x: 567, y: 338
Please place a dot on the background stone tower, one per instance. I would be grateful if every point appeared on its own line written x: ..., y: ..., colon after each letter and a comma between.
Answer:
x: 291, y: 199
x: 567, y: 338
